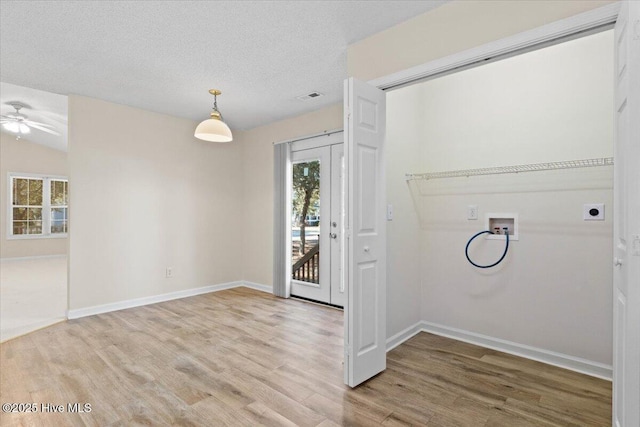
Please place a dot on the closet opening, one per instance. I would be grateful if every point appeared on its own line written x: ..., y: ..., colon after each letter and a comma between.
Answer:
x: 469, y: 143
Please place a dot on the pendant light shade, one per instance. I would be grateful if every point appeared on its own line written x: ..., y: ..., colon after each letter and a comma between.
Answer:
x: 214, y: 129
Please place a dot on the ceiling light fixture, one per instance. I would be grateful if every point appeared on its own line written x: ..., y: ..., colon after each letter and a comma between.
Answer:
x: 19, y: 124
x: 15, y: 127
x: 214, y: 129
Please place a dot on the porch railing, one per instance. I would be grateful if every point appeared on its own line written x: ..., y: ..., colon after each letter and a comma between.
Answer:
x: 307, y: 268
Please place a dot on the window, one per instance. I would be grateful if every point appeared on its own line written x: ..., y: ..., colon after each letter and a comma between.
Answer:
x: 38, y: 206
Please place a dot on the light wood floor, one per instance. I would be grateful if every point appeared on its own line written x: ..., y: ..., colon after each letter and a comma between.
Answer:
x: 242, y: 357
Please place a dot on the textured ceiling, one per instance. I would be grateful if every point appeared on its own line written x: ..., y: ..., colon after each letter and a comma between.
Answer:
x: 164, y: 55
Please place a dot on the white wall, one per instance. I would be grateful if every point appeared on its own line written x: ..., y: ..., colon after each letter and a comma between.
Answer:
x: 453, y: 27
x: 554, y: 289
x: 146, y: 195
x: 402, y: 155
x: 28, y: 157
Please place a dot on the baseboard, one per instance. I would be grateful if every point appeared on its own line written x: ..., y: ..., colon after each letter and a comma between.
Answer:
x: 258, y: 286
x: 403, y: 336
x: 584, y: 366
x: 137, y: 302
x: 29, y: 258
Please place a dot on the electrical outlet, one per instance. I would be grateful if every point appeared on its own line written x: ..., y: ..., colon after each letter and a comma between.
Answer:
x: 472, y: 212
x: 169, y: 272
x: 593, y: 212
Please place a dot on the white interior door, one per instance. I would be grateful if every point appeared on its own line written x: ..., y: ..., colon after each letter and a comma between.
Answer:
x: 365, y: 232
x: 626, y: 274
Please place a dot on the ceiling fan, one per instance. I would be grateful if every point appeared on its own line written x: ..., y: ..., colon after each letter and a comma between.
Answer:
x: 19, y: 124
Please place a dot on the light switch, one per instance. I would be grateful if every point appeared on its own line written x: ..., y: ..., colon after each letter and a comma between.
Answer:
x: 472, y: 212
x: 389, y: 212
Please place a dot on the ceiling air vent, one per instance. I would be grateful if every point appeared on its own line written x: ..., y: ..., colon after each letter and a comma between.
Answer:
x: 309, y: 96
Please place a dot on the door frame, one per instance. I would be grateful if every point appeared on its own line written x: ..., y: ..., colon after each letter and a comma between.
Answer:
x: 282, y: 208
x: 573, y: 27
x: 331, y: 265
x: 338, y: 213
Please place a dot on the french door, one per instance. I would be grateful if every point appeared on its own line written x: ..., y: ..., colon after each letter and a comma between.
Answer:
x: 316, y: 224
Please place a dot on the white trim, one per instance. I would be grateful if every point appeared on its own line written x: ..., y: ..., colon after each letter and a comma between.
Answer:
x: 154, y: 299
x: 317, y: 142
x: 28, y: 175
x: 577, y: 364
x: 137, y: 302
x: 37, y: 236
x: 510, y: 45
x: 28, y: 258
x: 257, y: 286
x: 404, y: 335
x: 572, y: 363
x: 313, y: 135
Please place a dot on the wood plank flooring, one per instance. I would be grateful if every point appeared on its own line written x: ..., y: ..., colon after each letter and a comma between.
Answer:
x: 244, y: 358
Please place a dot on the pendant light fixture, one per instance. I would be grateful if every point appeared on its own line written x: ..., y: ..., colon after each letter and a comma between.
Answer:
x: 214, y: 129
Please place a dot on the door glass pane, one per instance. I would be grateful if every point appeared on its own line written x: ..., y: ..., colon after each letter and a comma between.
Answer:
x: 305, y: 222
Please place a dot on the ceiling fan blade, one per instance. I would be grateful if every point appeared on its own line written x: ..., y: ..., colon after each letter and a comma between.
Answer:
x: 41, y: 126
x: 31, y: 123
x: 7, y: 117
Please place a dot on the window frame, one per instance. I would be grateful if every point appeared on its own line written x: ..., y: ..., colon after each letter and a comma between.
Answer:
x: 46, y: 206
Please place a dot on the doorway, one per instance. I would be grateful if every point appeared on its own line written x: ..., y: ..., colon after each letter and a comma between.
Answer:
x: 317, y: 191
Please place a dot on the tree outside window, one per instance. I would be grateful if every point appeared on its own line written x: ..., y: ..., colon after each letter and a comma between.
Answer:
x: 306, y: 196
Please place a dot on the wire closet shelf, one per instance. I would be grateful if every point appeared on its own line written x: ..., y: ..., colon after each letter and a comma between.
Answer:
x: 568, y: 164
